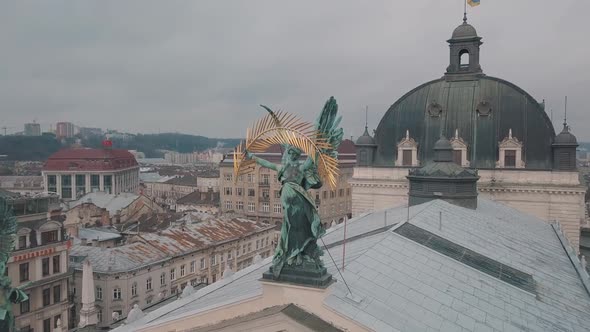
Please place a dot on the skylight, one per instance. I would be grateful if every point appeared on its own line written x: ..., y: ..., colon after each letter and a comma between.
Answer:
x: 468, y: 257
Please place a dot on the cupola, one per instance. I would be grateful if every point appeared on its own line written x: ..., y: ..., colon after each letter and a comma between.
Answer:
x: 464, y: 53
x: 564, y: 150
x: 443, y: 179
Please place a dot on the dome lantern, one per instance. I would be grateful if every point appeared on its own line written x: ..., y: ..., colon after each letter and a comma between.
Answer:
x: 464, y: 53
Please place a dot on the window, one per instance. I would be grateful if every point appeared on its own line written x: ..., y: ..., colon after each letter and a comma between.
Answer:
x: 56, y: 294
x: 228, y: 205
x: 251, y: 178
x: 340, y: 192
x: 45, y: 266
x: 266, y: 242
x: 46, y: 296
x: 251, y: 193
x: 24, y: 271
x: 48, y: 237
x: 25, y: 306
x: 228, y: 176
x: 457, y: 157
x: 148, y: 301
x: 80, y: 185
x: 148, y: 284
x: 213, y: 260
x: 203, y: 263
x: 324, y: 194
x: 464, y: 59
x: 193, y: 263
x: 277, y: 194
x: 173, y: 274
x: 182, y: 271
x: 66, y: 186
x: 108, y: 183
x: 116, y: 293
x: 47, y: 325
x: 277, y: 208
x: 134, y: 289
x: 99, y: 315
x: 22, y: 242
x: 162, y: 279
x: 227, y: 190
x: 265, y: 179
x: 249, y: 246
x: 52, y: 183
x: 407, y: 158
x: 510, y: 158
x: 94, y: 182
x: 251, y: 207
x: 239, y: 191
x: 265, y: 207
x: 347, y: 191
x: 240, y: 206
x: 221, y: 257
x: 56, y: 264
x: 257, y: 244
x: 243, y: 249
x: 229, y: 255
x: 99, y: 293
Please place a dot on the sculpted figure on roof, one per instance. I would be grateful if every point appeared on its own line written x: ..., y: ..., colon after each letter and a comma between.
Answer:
x: 301, y: 228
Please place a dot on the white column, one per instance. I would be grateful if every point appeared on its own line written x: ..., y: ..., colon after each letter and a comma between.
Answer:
x: 74, y: 191
x: 58, y: 179
x: 88, y: 183
x: 101, y: 182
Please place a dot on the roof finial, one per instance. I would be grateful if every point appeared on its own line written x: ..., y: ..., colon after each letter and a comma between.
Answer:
x: 510, y: 133
x: 366, y: 118
x: 407, y: 134
x: 565, y: 115
x: 456, y: 133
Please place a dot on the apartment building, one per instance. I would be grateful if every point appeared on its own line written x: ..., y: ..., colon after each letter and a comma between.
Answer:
x: 257, y: 195
x: 196, y: 249
x: 39, y: 263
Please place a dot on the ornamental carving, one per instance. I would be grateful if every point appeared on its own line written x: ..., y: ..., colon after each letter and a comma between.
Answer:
x: 434, y: 109
x: 484, y: 108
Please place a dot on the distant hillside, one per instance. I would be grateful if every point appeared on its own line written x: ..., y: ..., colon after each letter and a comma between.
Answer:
x: 41, y: 147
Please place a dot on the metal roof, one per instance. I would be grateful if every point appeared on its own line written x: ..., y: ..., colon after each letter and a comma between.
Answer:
x: 98, y: 234
x: 510, y: 108
x: 111, y: 202
x: 401, y: 285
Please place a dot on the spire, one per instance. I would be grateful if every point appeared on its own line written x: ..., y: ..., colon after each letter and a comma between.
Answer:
x: 88, y: 311
x: 565, y: 127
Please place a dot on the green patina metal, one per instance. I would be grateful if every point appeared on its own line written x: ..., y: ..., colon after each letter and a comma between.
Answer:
x: 509, y: 108
x: 8, y: 294
x: 298, y: 256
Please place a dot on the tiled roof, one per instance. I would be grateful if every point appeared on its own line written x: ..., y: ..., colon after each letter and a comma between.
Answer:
x: 187, y: 180
x: 86, y: 159
x: 197, y: 197
x: 98, y: 234
x: 191, y: 233
x: 400, y: 285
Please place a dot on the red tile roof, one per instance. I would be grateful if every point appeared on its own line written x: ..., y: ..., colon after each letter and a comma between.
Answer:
x: 86, y: 159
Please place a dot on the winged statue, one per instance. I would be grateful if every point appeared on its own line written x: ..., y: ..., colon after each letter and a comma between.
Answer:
x: 301, y: 227
x: 8, y: 294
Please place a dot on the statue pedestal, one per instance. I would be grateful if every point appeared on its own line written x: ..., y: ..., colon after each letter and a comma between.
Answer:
x: 305, y: 275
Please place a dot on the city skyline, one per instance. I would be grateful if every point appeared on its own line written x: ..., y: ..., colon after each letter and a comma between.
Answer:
x: 106, y: 65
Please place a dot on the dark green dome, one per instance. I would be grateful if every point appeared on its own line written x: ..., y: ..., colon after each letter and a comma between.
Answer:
x: 482, y: 108
x: 365, y: 139
x: 565, y: 137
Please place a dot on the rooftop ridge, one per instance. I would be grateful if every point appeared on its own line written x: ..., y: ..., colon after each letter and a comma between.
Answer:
x: 578, y: 264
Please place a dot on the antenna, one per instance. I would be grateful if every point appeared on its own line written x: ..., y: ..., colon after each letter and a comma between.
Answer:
x: 464, y: 11
x: 366, y: 117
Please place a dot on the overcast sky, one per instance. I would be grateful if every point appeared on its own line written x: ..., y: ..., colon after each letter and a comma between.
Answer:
x: 203, y: 67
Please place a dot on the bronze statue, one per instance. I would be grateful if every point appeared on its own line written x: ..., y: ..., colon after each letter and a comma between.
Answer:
x: 301, y: 226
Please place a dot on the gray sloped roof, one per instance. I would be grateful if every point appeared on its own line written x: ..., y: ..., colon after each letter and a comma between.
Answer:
x: 401, y: 285
x: 111, y: 202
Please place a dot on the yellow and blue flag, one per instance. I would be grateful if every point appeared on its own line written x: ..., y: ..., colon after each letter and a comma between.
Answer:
x: 473, y: 3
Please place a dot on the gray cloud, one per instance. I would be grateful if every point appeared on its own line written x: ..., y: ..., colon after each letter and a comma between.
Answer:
x: 203, y: 67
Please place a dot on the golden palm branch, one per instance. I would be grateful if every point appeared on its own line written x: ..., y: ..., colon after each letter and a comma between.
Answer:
x: 285, y: 128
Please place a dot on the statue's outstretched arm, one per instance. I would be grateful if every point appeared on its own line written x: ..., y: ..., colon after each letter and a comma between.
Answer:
x: 263, y: 162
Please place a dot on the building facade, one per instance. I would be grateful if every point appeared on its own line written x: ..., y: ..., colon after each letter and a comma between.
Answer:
x: 64, y: 130
x: 32, y: 129
x: 156, y: 266
x: 257, y: 194
x: 71, y: 173
x: 493, y: 125
x: 39, y: 263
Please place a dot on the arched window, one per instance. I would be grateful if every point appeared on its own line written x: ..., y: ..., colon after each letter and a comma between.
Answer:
x: 464, y: 59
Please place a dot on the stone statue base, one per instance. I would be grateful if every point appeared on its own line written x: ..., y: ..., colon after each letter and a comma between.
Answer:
x: 306, y: 274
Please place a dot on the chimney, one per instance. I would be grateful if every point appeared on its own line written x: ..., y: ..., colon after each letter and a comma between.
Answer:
x: 83, y: 241
x: 95, y: 242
